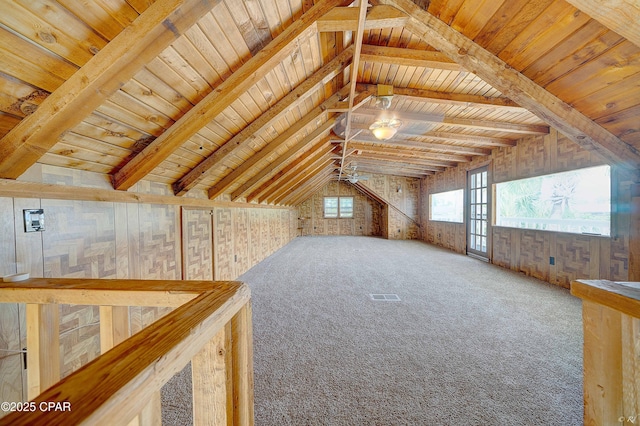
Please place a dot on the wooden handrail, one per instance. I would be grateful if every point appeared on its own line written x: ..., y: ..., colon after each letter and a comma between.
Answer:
x: 113, y: 388
x: 610, y: 312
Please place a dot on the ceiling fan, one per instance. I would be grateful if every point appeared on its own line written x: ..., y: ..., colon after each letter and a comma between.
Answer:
x: 387, y: 122
x: 352, y: 175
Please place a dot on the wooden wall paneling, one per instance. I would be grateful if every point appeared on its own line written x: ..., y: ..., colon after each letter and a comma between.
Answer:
x: 240, y: 241
x: 11, y: 367
x: 504, y: 164
x: 79, y: 337
x: 534, y: 254
x: 197, y: 243
x: 255, y: 245
x: 224, y: 268
x: 43, y: 347
x: 553, y: 252
x: 619, y: 259
x: 532, y: 156
x: 264, y: 234
x: 570, y: 155
x: 28, y: 245
x: 573, y: 260
x: 79, y: 240
x: 502, y: 247
x: 160, y: 256
x: 121, y: 229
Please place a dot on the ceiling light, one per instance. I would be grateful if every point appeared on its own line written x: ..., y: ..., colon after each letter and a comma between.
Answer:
x: 385, y: 129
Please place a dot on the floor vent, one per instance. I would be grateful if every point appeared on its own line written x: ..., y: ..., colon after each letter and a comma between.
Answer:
x: 385, y: 297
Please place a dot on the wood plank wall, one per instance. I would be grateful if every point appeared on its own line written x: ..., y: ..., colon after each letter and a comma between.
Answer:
x: 403, y: 194
x: 528, y: 251
x: 367, y: 213
x: 120, y: 240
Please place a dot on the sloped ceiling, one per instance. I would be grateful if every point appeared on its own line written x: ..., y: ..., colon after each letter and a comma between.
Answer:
x: 239, y: 98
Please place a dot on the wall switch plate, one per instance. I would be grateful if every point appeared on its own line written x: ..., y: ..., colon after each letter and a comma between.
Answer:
x: 33, y: 220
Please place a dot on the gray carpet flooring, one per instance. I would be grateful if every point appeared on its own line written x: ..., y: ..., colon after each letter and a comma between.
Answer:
x: 468, y: 342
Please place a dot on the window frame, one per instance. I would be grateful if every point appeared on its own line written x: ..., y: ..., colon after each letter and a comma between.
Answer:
x: 339, y: 208
x: 461, y: 202
x: 543, y: 223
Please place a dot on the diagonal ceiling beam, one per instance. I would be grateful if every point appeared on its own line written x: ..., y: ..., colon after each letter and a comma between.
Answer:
x: 283, y: 159
x: 346, y: 19
x: 297, y: 178
x: 277, y: 111
x: 578, y: 127
x: 316, y: 115
x: 308, y: 189
x: 310, y: 181
x: 154, y: 30
x: 217, y: 101
x: 317, y: 151
x: 447, y: 98
x: 621, y: 16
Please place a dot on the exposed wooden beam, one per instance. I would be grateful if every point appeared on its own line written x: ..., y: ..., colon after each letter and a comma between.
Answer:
x: 314, y: 116
x: 154, y: 30
x: 283, y: 106
x: 316, y: 152
x: 470, y: 139
x: 316, y: 180
x: 557, y: 113
x: 408, y: 57
x: 346, y: 19
x: 398, y: 151
x: 280, y: 161
x: 362, y: 15
x: 402, y: 140
x: 308, y: 190
x: 217, y: 101
x: 501, y: 126
x: 388, y: 161
x: 459, y: 99
x: 621, y: 16
x: 307, y: 171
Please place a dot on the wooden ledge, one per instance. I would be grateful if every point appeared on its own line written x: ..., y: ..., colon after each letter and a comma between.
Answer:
x: 83, y: 291
x: 621, y: 296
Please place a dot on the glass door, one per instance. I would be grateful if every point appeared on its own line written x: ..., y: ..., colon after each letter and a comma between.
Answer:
x: 478, y: 213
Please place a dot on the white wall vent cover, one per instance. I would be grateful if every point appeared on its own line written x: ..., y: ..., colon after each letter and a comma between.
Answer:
x: 385, y: 297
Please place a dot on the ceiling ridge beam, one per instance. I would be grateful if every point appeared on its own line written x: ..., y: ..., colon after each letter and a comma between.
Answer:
x: 408, y: 57
x: 515, y: 85
x: 504, y: 126
x: 346, y: 19
x: 458, y: 99
x: 279, y: 109
x: 219, y: 99
x: 147, y: 36
x: 404, y: 142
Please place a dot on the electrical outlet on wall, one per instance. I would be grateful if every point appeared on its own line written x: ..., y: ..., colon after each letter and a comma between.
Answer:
x: 33, y: 220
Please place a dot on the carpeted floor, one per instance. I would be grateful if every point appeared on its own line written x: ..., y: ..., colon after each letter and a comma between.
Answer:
x: 468, y: 343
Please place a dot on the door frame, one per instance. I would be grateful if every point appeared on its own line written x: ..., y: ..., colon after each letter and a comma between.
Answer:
x: 485, y: 256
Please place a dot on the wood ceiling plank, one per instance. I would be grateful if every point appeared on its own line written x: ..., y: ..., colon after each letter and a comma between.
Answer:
x: 274, y: 113
x: 293, y: 131
x: 93, y: 83
x: 445, y: 159
x: 218, y: 100
x: 47, y: 24
x: 307, y: 190
x: 322, y: 152
x: 581, y: 47
x: 275, y: 169
x: 516, y: 86
x: 298, y: 184
x: 620, y: 16
x: 346, y: 19
x: 558, y: 21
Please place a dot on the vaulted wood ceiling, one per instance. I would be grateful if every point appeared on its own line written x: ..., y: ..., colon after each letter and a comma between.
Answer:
x: 239, y: 98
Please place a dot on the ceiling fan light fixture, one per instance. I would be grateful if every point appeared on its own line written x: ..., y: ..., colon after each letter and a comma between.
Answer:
x: 384, y: 133
x: 385, y: 129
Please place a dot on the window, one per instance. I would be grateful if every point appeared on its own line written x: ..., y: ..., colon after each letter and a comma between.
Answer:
x: 447, y: 206
x: 338, y: 207
x: 578, y: 201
